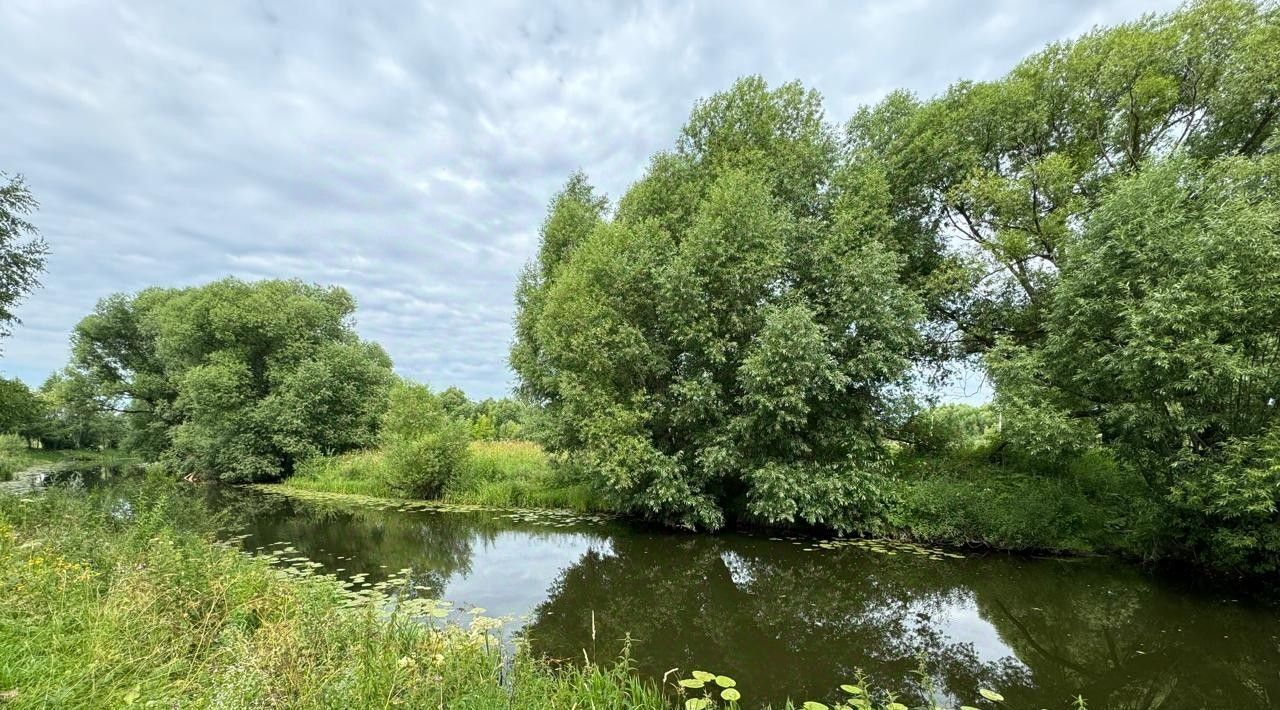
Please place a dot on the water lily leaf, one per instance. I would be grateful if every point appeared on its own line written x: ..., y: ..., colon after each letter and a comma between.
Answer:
x: 697, y: 704
x: 691, y: 683
x: 851, y: 689
x: 731, y: 694
x: 991, y: 695
x: 704, y: 676
x: 725, y: 681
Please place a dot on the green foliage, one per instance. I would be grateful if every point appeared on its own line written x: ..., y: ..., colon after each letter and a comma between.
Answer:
x: 989, y: 181
x: 144, y: 611
x: 22, y: 412
x: 22, y: 252
x: 1161, y: 340
x: 235, y: 380
x: 724, y: 344
x: 1084, y: 505
x: 423, y: 445
x: 951, y: 428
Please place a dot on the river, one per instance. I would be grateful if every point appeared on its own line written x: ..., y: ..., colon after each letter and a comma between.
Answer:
x: 793, y: 617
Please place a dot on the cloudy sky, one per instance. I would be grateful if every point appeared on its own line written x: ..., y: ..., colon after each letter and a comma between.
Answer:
x: 406, y: 150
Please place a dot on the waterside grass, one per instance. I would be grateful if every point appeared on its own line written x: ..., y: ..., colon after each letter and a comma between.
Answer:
x: 503, y: 474
x: 110, y: 603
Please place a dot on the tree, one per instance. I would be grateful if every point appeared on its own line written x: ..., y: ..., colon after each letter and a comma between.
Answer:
x: 22, y: 252
x: 22, y: 412
x: 726, y: 342
x: 423, y: 443
x: 990, y: 181
x: 236, y: 380
x: 74, y: 417
x: 1161, y: 341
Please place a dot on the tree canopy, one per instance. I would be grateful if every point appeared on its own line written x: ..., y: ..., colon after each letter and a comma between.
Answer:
x: 22, y: 252
x: 727, y: 341
x: 233, y: 379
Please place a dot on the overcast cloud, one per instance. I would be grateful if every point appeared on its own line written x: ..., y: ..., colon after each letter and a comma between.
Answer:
x: 406, y: 150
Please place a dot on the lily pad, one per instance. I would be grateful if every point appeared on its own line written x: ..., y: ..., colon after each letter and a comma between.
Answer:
x: 991, y: 695
x: 691, y: 683
x: 731, y: 694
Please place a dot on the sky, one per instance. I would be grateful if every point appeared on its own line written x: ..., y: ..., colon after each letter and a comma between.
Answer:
x: 407, y: 150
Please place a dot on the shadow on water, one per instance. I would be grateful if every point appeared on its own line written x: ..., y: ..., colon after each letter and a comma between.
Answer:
x: 787, y: 621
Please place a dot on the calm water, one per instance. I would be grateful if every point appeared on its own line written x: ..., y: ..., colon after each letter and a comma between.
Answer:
x: 789, y: 621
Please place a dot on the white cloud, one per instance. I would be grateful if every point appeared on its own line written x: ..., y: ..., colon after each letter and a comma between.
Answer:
x: 406, y: 151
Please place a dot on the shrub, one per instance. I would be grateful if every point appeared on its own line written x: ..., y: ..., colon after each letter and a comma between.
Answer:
x: 422, y: 466
x: 952, y: 427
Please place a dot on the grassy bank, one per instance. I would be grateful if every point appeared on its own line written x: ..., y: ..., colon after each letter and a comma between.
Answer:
x: 16, y: 457
x: 516, y: 474
x: 105, y: 612
x: 956, y: 498
x: 117, y: 605
x: 1089, y: 507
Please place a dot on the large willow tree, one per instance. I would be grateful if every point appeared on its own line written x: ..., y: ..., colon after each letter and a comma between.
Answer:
x: 235, y: 380
x: 727, y: 343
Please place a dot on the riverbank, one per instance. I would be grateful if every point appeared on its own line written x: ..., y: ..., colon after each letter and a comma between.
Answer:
x: 100, y: 611
x: 952, y: 500
x: 15, y: 456
x: 506, y: 474
x: 119, y: 604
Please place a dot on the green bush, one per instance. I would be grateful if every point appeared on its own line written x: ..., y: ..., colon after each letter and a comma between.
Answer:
x: 422, y: 466
x: 951, y: 428
x: 1089, y: 505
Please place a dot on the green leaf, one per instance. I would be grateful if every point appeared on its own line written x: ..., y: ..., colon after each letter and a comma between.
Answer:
x: 731, y: 694
x: 704, y: 676
x: 851, y: 689
x: 814, y: 705
x: 725, y: 681
x: 691, y: 683
x: 895, y: 706
x: 991, y: 695
x: 696, y: 704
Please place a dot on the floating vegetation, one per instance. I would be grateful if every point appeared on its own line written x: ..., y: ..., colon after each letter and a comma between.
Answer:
x: 554, y: 518
x: 549, y: 517
x: 879, y: 546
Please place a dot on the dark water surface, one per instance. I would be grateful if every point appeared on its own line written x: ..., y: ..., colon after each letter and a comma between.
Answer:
x: 789, y: 618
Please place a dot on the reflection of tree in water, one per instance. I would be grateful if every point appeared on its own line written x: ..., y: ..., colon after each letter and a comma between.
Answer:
x: 798, y: 624
x: 774, y: 618
x: 1125, y: 641
x: 358, y: 539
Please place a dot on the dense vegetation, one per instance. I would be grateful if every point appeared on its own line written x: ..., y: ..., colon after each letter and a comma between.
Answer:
x: 752, y: 332
x: 1098, y: 229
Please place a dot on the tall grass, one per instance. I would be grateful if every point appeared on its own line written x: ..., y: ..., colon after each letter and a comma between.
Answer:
x: 115, y: 605
x: 516, y: 474
x: 103, y: 612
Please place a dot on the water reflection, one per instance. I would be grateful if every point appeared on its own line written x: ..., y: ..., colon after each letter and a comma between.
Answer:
x: 798, y: 623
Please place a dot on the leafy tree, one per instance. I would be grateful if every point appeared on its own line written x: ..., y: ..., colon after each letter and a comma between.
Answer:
x: 989, y: 181
x: 423, y: 443
x: 22, y: 252
x: 236, y: 380
x: 74, y: 418
x: 727, y: 342
x: 1161, y: 339
x: 22, y: 412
